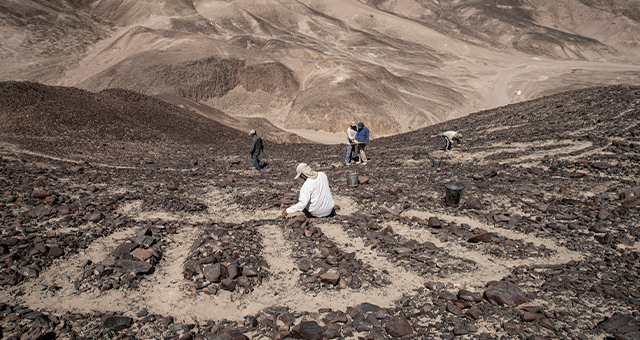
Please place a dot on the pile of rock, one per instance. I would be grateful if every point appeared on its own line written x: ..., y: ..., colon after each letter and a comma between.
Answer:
x: 41, y: 216
x: 18, y: 322
x: 325, y: 265
x: 226, y: 256
x: 127, y: 263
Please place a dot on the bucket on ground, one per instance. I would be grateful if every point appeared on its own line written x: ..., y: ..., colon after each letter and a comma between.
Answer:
x: 437, y: 162
x: 416, y: 154
x: 453, y: 191
x: 352, y: 179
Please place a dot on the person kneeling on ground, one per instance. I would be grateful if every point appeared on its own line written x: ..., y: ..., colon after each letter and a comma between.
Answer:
x: 315, y: 198
x: 451, y: 137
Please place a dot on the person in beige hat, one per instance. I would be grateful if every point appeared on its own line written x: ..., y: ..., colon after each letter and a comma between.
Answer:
x: 351, y: 138
x: 315, y: 198
x: 452, y: 137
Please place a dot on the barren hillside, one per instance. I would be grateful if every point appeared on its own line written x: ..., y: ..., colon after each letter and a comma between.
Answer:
x: 309, y: 65
x: 112, y: 232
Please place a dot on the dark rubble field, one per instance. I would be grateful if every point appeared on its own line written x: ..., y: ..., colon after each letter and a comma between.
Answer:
x: 124, y: 217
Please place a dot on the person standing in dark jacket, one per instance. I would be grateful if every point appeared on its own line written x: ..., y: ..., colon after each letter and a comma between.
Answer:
x: 256, y: 148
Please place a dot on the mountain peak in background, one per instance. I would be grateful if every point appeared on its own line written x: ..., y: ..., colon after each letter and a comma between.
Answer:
x: 315, y: 66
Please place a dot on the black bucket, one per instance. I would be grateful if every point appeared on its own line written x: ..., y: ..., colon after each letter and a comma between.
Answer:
x: 352, y: 179
x: 416, y: 154
x: 453, y: 191
x: 437, y: 162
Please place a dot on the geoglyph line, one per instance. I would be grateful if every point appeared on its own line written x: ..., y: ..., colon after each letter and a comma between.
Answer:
x: 166, y: 292
x: 490, y: 268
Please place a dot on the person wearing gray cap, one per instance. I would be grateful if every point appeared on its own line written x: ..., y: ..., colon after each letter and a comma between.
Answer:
x: 315, y: 198
x: 351, y: 137
x: 256, y: 148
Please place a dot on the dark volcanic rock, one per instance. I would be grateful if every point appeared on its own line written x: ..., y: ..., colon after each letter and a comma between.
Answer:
x: 398, y: 326
x: 226, y: 335
x: 228, y: 284
x: 55, y: 252
x: 136, y: 267
x: 485, y: 237
x: 116, y: 322
x: 624, y: 324
x: 434, y: 222
x: 505, y: 294
x: 308, y: 330
x: 213, y: 273
x: 473, y: 203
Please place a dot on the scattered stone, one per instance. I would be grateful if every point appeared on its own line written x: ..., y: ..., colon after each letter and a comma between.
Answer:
x: 308, y: 330
x: 55, y: 252
x: 623, y: 324
x: 510, y: 327
x: 474, y: 204
x: 434, y: 222
x: 504, y: 293
x: 484, y: 237
x: 398, y: 326
x: 116, y: 322
x: 363, y: 179
x: 39, y: 193
x: 600, y: 165
x: 330, y: 277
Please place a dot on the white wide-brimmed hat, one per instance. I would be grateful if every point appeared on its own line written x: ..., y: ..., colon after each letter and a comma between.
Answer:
x: 305, y: 169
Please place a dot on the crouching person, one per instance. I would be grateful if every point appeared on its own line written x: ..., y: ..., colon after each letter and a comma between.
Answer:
x: 315, y: 198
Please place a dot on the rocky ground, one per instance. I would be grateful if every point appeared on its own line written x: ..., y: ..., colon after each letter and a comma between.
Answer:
x: 107, y: 237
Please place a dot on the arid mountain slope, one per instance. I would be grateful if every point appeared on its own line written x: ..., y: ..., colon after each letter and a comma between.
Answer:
x: 398, y: 65
x: 185, y: 242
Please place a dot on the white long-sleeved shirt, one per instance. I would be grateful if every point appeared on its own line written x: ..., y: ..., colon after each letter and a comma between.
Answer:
x: 351, y: 135
x: 315, y: 195
x: 449, y: 134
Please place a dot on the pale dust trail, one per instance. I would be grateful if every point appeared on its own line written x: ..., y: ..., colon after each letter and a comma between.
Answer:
x: 563, y: 147
x: 490, y: 267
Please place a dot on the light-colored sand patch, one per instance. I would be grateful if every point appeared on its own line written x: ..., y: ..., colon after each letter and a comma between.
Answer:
x: 346, y: 204
x: 222, y: 209
x: 219, y: 210
x: 133, y: 210
x: 321, y: 137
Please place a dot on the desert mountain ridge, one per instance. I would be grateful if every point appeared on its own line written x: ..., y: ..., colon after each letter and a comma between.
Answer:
x: 315, y: 66
x: 130, y: 209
